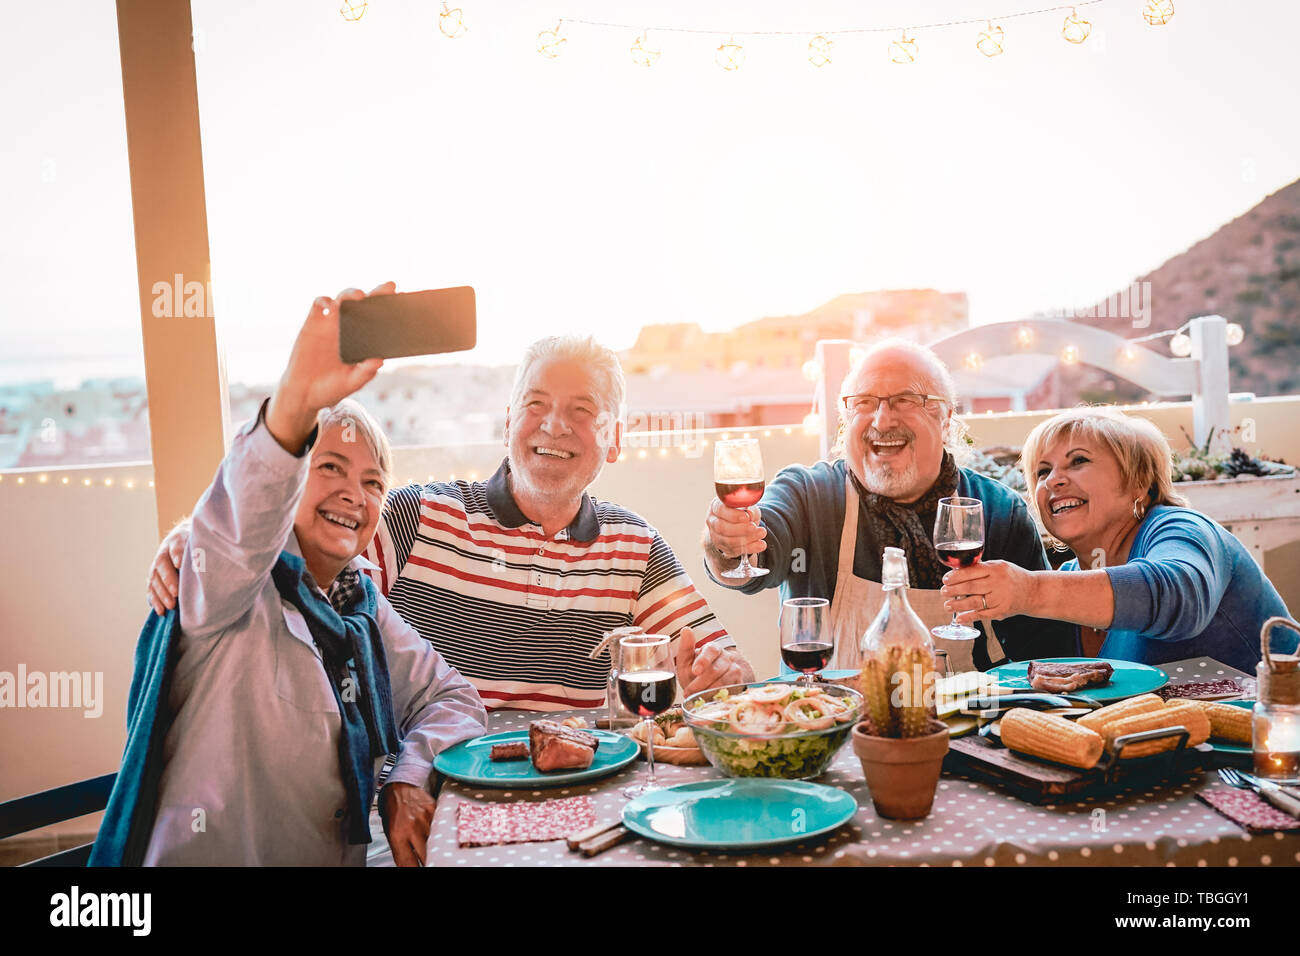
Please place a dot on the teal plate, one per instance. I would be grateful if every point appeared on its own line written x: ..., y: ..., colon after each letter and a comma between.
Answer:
x: 1226, y: 747
x: 741, y: 813
x: 1129, y: 679
x: 469, y: 762
x: 822, y: 676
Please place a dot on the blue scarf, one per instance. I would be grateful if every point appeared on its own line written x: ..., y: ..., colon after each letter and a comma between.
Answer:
x: 352, y: 650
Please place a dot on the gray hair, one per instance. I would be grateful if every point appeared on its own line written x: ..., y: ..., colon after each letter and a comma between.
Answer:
x: 611, y: 387
x: 940, y: 383
x: 350, y: 413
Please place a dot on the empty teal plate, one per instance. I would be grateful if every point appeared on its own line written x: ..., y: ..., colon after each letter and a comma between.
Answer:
x: 1128, y: 680
x: 822, y: 676
x: 469, y: 762
x: 740, y: 813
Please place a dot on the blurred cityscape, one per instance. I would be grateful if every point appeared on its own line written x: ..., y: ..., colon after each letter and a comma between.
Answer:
x: 680, y: 376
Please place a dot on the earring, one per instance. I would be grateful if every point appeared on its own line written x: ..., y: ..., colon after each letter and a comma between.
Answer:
x: 1139, y: 509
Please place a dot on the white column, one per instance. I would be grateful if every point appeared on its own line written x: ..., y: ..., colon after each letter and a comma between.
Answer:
x: 833, y: 360
x: 1210, y: 398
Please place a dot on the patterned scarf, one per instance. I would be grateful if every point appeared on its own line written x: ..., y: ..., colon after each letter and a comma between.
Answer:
x: 911, y: 527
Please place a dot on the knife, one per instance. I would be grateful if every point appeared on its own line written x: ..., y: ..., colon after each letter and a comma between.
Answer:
x: 993, y: 704
x: 1279, y: 796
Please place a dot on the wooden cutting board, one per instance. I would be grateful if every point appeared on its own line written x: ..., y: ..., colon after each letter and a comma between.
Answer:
x: 1039, y: 781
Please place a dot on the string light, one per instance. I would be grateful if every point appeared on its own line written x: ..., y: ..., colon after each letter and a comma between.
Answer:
x: 352, y: 12
x: 990, y: 41
x: 973, y: 360
x: 1070, y: 355
x: 550, y: 41
x: 1128, y: 354
x: 43, y: 479
x: 1181, y: 344
x: 641, y: 453
x: 108, y: 482
x: 811, y: 370
x: 1158, y: 12
x: 903, y: 51
x: 451, y: 21
x: 1234, y: 334
x: 729, y: 55
x: 150, y: 482
x: 20, y: 479
x: 84, y: 481
x: 643, y: 55
x: 812, y: 423
x: 1024, y: 336
x: 1075, y: 29
x: 819, y: 51
x: 65, y: 479
x: 789, y: 430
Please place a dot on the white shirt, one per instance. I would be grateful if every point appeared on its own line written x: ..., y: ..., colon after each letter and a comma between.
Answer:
x: 251, y: 762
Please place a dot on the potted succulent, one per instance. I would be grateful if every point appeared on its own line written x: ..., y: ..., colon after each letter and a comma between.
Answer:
x: 899, y: 741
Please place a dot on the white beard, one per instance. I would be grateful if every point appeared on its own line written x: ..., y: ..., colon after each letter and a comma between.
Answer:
x: 892, y: 483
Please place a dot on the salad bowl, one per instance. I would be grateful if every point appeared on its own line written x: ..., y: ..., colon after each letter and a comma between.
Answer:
x: 772, y: 729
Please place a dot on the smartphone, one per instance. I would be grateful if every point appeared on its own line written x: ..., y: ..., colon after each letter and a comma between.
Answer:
x: 407, y: 323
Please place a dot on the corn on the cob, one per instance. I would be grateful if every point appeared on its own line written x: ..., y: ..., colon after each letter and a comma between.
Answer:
x: 1099, y: 720
x: 1052, y: 738
x: 1183, y: 713
x: 1227, y: 722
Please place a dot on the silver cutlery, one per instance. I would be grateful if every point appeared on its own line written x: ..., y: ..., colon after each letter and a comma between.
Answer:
x: 1270, y: 791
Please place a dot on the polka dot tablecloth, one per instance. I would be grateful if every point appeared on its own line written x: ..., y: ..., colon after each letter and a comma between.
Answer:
x: 972, y: 823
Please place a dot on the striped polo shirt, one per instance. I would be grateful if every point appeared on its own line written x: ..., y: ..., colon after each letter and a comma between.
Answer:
x: 516, y: 612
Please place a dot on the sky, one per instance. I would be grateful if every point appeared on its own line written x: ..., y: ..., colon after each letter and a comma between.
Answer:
x: 586, y: 193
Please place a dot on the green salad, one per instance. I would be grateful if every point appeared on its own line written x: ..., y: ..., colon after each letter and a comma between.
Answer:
x: 773, y: 730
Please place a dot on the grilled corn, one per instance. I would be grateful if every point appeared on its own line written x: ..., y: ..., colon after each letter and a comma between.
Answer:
x: 1181, y: 714
x: 1099, y: 720
x: 1052, y: 738
x: 1227, y: 722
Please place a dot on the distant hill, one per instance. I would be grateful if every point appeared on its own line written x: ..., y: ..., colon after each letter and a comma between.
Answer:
x: 1249, y: 272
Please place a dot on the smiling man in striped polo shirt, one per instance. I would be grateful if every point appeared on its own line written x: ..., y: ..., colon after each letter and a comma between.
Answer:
x: 515, y: 580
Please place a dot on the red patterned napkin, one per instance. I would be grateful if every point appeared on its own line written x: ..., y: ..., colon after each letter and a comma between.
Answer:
x: 522, y: 822
x: 1201, y: 689
x: 1248, y: 809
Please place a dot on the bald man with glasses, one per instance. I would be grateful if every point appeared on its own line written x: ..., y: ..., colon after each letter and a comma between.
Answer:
x: 820, y: 531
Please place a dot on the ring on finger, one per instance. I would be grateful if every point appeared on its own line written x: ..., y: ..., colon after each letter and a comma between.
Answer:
x: 985, y: 599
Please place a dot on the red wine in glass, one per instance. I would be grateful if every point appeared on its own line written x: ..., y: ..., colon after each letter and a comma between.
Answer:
x: 739, y: 494
x: 960, y: 554
x: 647, y: 693
x: 807, y: 656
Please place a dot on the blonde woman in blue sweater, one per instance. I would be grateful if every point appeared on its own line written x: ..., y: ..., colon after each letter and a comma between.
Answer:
x: 1153, y: 580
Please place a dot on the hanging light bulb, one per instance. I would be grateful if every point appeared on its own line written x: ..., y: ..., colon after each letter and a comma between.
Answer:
x: 819, y: 51
x: 550, y: 41
x: 1181, y: 345
x: 451, y: 21
x: 1235, y: 333
x: 729, y: 55
x: 903, y: 50
x: 1158, y: 12
x: 642, y: 55
x: 990, y: 41
x: 352, y: 12
x: 1070, y: 355
x: 1075, y: 30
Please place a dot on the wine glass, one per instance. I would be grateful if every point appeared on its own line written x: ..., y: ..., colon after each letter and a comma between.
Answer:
x: 805, y: 644
x: 738, y: 481
x: 647, y: 685
x: 959, y: 539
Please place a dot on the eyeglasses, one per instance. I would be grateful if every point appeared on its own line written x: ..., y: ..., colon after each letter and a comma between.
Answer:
x: 900, y: 404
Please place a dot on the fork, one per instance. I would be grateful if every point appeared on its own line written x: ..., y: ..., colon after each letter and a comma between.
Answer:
x: 1269, y: 791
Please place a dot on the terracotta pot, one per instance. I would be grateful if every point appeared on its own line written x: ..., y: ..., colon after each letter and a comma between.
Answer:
x: 902, y: 772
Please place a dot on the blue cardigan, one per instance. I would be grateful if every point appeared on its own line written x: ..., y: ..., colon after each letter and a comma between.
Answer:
x: 1189, y: 589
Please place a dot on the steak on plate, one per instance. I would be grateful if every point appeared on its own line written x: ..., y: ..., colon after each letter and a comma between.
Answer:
x: 557, y: 747
x: 1060, y: 678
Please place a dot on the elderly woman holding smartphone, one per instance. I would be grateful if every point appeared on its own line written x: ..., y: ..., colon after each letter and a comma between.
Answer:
x: 1153, y: 579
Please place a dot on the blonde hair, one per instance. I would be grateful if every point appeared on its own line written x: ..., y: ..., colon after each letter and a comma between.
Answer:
x: 1140, y: 448
x: 941, y: 383
x: 351, y: 413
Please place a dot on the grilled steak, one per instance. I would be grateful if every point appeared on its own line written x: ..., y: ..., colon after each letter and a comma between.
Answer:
x: 1056, y: 678
x: 517, y: 751
x: 556, y: 747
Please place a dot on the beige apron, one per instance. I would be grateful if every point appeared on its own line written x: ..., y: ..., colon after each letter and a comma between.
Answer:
x: 857, y: 601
